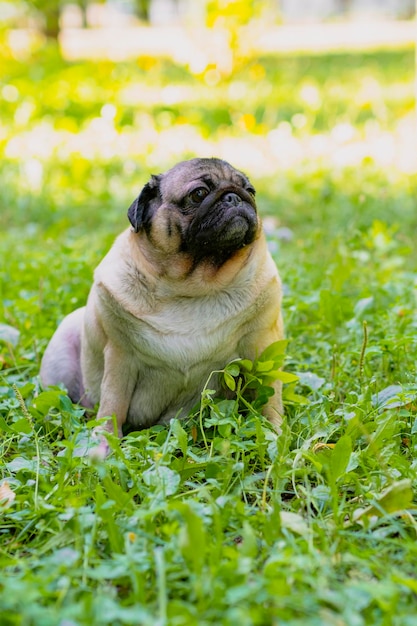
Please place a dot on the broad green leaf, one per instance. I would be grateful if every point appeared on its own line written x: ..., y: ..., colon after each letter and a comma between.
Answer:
x: 116, y: 493
x: 295, y: 523
x: 246, y: 364
x: 190, y: 469
x: 340, y: 457
x: 330, y: 307
x: 233, y: 369
x: 230, y: 381
x: 387, y: 396
x: 4, y: 426
x: 65, y: 403
x: 392, y: 397
x: 285, y: 377
x: 22, y: 426
x: 249, y: 546
x: 265, y: 366
x: 396, y: 498
x: 163, y: 479
x: 386, y: 429
x: 411, y: 583
x: 26, y: 390
x: 275, y: 351
x: 109, y: 610
x: 290, y: 396
x: 105, y: 509
x: 20, y: 463
x: 192, y: 537
x: 47, y: 400
x: 181, y: 436
x: 311, y: 380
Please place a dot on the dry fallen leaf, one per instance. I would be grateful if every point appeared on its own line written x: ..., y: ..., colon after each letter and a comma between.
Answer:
x: 7, y: 495
x: 323, y: 446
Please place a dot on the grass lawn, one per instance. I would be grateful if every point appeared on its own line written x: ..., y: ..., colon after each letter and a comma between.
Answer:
x: 214, y: 519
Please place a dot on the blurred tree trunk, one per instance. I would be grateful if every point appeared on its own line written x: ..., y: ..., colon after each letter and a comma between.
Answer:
x: 83, y: 4
x: 344, y: 6
x: 143, y: 8
x: 51, y: 13
x: 51, y: 16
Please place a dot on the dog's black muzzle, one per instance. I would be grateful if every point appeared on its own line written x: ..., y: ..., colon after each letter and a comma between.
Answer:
x: 225, y: 222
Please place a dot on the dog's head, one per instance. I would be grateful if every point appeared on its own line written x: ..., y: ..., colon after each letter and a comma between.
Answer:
x: 202, y: 208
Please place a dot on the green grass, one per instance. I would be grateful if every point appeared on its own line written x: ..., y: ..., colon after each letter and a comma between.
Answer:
x: 225, y: 524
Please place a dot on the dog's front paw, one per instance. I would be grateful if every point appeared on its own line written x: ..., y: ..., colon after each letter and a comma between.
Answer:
x: 100, y: 448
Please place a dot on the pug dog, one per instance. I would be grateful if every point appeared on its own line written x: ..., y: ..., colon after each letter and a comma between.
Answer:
x: 187, y: 289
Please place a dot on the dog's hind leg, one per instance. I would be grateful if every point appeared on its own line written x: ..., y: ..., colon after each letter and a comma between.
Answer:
x: 61, y: 361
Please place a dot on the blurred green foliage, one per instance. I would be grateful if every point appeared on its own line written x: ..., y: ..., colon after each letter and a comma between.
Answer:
x: 95, y: 130
x: 354, y: 87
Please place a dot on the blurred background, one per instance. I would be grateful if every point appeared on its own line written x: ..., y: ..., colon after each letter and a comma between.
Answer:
x: 269, y: 85
x: 95, y: 96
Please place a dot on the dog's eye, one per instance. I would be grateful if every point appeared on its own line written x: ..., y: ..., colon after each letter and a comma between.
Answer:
x: 198, y: 194
x: 251, y: 190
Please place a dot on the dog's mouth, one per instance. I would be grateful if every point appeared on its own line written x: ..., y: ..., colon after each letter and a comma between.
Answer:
x: 224, y: 223
x: 234, y: 230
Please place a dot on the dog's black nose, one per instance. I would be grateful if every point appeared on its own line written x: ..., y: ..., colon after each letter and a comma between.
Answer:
x: 231, y: 199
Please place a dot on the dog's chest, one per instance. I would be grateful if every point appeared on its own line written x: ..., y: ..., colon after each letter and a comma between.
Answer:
x: 189, y: 330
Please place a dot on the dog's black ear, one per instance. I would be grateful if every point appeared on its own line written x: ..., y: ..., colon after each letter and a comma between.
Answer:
x: 139, y: 208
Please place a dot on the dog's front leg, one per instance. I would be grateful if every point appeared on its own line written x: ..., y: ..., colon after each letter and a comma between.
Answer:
x: 117, y: 386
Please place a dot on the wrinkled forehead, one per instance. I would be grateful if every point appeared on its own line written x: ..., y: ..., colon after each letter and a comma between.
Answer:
x: 187, y: 174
